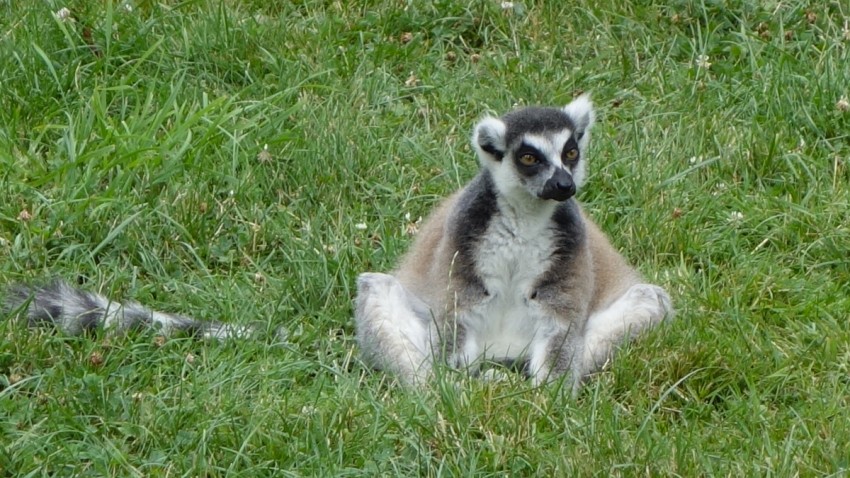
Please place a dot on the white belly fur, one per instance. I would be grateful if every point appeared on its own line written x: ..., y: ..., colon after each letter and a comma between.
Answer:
x: 510, y: 259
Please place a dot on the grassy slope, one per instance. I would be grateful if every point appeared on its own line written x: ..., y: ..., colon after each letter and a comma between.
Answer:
x: 129, y: 145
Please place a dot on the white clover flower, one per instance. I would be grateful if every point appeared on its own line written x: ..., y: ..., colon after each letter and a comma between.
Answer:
x: 360, y: 226
x: 410, y: 227
x: 507, y: 5
x: 719, y: 189
x: 63, y: 15
x: 843, y: 104
x: 264, y: 155
x: 702, y: 62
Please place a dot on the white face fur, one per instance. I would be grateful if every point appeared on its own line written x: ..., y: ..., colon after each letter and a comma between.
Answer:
x: 537, y: 152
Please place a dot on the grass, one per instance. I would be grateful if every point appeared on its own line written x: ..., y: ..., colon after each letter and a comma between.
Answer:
x: 221, y: 158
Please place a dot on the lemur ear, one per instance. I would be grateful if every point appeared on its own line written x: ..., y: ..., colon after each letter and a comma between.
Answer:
x: 580, y: 110
x: 489, y: 139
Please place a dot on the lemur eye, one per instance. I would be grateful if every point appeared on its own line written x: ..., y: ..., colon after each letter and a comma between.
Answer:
x: 528, y: 160
x: 571, y: 155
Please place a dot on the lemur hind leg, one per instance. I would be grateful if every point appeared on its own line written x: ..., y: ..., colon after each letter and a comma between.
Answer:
x: 393, y: 327
x: 641, y: 307
x: 554, y: 355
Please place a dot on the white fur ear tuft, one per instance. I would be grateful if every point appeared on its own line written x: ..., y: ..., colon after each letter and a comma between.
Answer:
x: 489, y: 139
x: 581, y: 112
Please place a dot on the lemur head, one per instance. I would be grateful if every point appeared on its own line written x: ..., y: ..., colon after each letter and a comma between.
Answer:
x: 537, y: 151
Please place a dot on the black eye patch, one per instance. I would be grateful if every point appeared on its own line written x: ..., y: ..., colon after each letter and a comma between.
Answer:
x: 568, y: 157
x: 523, y: 163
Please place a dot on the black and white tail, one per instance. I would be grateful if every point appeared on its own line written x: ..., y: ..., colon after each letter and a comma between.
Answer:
x: 75, y: 311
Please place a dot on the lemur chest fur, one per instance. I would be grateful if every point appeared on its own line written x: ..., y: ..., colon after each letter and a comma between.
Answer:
x: 511, y: 257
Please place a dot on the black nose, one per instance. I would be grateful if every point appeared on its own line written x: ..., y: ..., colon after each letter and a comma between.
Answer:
x: 559, y: 187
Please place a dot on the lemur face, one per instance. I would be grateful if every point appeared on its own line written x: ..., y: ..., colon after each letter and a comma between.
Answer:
x: 537, y: 151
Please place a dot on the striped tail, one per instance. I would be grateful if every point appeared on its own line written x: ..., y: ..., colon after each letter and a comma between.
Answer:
x: 75, y: 311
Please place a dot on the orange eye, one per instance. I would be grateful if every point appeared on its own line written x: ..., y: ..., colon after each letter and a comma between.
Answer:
x: 528, y: 160
x: 571, y: 155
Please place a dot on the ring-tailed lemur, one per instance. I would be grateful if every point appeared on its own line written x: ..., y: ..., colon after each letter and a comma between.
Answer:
x: 75, y: 311
x: 510, y: 268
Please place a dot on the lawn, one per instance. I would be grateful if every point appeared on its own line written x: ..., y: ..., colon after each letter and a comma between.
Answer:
x: 244, y: 161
